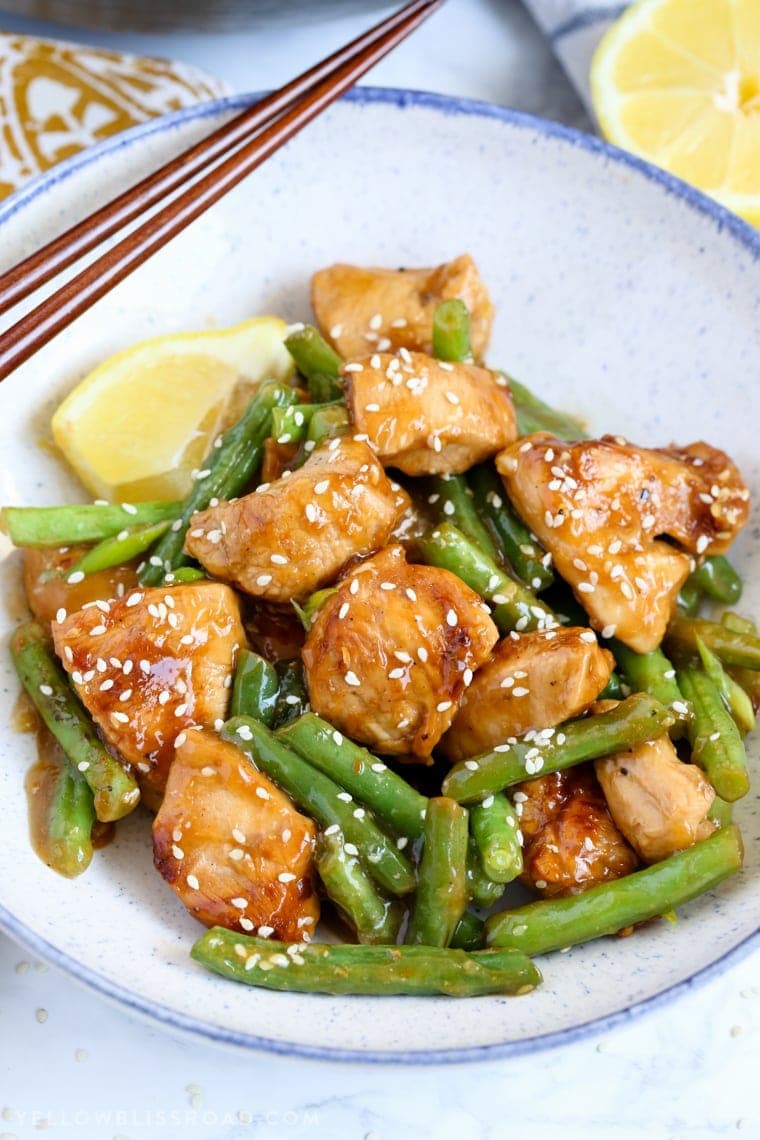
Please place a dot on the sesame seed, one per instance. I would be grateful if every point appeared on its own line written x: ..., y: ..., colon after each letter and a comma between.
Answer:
x: 76, y: 577
x: 410, y: 594
x: 351, y: 679
x: 353, y: 367
x: 609, y: 631
x: 239, y: 903
x: 120, y: 717
x: 396, y: 674
x: 286, y: 877
x: 244, y: 732
x: 346, y: 797
x: 192, y: 882
x: 262, y: 793
x: 354, y: 587
x: 451, y: 618
x: 263, y: 579
x: 265, y: 932
x: 375, y: 321
x: 350, y: 849
x: 702, y: 544
x: 333, y: 829
x: 337, y: 737
x: 343, y: 610
x: 422, y: 653
x: 443, y: 706
x: 372, y: 407
x: 471, y: 765
x: 46, y: 690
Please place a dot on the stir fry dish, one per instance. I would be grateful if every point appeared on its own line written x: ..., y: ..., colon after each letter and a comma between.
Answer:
x: 413, y: 656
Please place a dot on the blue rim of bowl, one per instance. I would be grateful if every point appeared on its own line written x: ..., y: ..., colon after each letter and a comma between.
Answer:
x: 742, y: 232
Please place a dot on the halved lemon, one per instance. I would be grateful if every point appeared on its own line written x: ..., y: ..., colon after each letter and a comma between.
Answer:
x: 678, y: 82
x: 137, y: 426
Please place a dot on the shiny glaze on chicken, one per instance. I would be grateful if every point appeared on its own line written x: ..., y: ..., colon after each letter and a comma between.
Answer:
x: 151, y: 664
x: 599, y: 507
x: 427, y: 416
x: 570, y: 839
x: 231, y: 844
x: 531, y: 681
x: 392, y: 651
x: 288, y: 538
x: 364, y: 310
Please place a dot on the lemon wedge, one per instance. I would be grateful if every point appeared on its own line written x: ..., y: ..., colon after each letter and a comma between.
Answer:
x: 678, y: 82
x: 137, y: 426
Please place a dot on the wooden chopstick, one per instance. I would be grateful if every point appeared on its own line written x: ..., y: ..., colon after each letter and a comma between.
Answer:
x: 37, y: 269
x: 25, y: 337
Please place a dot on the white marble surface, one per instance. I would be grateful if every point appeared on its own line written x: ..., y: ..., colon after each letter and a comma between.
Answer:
x: 73, y: 1066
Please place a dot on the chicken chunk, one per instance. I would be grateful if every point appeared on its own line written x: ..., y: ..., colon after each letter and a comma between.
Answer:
x: 359, y: 310
x: 534, y: 682
x: 48, y: 589
x: 151, y: 665
x: 392, y: 651
x: 427, y: 416
x: 288, y: 538
x: 570, y: 839
x: 232, y: 845
x: 659, y: 803
x: 599, y: 506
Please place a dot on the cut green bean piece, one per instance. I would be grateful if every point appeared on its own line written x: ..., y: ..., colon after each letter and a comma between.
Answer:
x: 183, y: 574
x: 468, y: 933
x: 327, y: 423
x: 80, y: 524
x: 651, y: 673
x: 636, y: 719
x: 495, y: 826
x: 731, y: 693
x: 721, y: 813
x: 62, y: 829
x: 717, y: 578
x: 555, y: 924
x: 318, y: 968
x: 482, y: 890
x: 441, y: 897
x: 227, y: 471
x: 114, y: 788
x: 534, y: 415
x: 736, y: 623
x: 452, y: 501
x: 733, y: 647
x: 307, y: 613
x: 374, y: 918
x: 123, y: 547
x: 325, y: 801
x: 290, y: 425
x: 394, y: 801
x: 514, y: 607
x: 531, y: 564
x: 292, y: 698
x: 317, y: 362
x: 451, y: 331
x: 255, y: 689
x: 716, y: 745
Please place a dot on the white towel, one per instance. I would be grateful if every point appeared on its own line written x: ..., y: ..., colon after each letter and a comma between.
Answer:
x: 574, y: 28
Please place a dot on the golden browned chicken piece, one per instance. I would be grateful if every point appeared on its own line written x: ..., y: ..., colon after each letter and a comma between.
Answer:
x: 150, y: 665
x: 570, y: 840
x: 360, y: 310
x: 534, y: 681
x: 232, y: 846
x: 426, y: 416
x: 290, y: 537
x: 48, y: 590
x: 392, y: 651
x: 659, y: 803
x: 599, y: 506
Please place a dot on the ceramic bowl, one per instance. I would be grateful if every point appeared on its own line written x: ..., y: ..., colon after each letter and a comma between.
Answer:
x: 621, y: 295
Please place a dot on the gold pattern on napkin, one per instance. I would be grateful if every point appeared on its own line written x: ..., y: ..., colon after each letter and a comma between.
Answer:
x: 58, y: 98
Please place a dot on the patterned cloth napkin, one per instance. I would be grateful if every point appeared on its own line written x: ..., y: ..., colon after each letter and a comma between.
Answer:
x: 58, y: 98
x: 574, y: 28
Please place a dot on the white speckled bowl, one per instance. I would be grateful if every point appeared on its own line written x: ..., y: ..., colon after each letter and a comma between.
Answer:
x: 621, y: 294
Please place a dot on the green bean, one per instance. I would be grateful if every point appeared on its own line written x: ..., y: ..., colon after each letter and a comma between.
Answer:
x: 67, y: 819
x: 317, y: 362
x: 689, y: 599
x: 731, y: 693
x: 114, y: 788
x: 468, y: 933
x: 292, y: 698
x: 716, y: 745
x: 737, y: 623
x: 555, y: 924
x: 452, y: 500
x: 534, y: 415
x: 227, y: 470
x: 290, y: 425
x: 717, y: 578
x: 327, y: 423
x: 324, y: 800
x: 514, y: 606
x: 721, y: 812
x: 496, y: 830
x: 80, y: 524
x: 441, y: 897
x: 482, y: 890
x: 318, y: 968
x: 652, y: 673
x: 307, y: 613
x: 530, y: 563
x: 183, y: 574
x: 255, y: 688
x: 392, y: 799
x: 451, y: 331
x: 733, y: 647
x: 636, y: 719
x: 374, y: 918
x: 123, y: 547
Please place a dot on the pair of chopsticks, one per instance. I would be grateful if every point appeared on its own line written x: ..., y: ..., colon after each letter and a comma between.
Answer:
x: 232, y: 152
